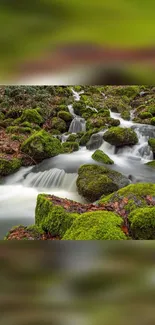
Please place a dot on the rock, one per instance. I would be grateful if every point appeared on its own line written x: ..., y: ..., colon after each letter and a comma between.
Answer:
x: 67, y: 117
x: 100, y: 156
x: 95, y: 142
x: 69, y: 147
x: 120, y: 137
x: 94, y: 181
x: 99, y: 225
x: 41, y: 145
x: 9, y: 166
x: 143, y: 223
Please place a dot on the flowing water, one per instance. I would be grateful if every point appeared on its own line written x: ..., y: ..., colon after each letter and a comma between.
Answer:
x: 58, y: 175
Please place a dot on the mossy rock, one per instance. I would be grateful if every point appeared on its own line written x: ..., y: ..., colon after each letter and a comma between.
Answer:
x: 19, y: 129
x: 69, y: 147
x: 135, y: 195
x: 72, y: 138
x: 32, y: 116
x: 152, y: 121
x: 59, y: 124
x: 30, y: 125
x: 9, y: 166
x: 113, y: 122
x: 120, y: 137
x: 145, y: 115
x: 86, y: 136
x: 125, y: 115
x: 104, y: 112
x: 151, y: 143
x: 66, y: 116
x: 142, y: 223
x: 116, y: 104
x: 128, y: 91
x: 100, y: 156
x: 41, y: 145
x: 55, y: 132
x: 7, y: 122
x: 52, y: 218
x: 151, y: 163
x: 100, y: 225
x: 13, y: 113
x: 152, y: 110
x: 79, y: 107
x: 94, y: 181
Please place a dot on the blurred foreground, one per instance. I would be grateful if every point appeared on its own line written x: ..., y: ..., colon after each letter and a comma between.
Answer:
x: 79, y: 42
x: 84, y: 283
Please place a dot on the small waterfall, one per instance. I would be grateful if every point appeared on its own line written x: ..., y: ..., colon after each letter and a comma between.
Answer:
x: 77, y: 125
x: 76, y: 95
x: 53, y: 178
x: 71, y: 110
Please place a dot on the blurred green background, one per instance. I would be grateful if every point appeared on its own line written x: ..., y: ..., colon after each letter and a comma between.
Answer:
x: 77, y: 283
x: 30, y: 28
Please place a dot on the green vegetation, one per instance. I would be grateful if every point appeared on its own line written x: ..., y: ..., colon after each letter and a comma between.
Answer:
x: 143, y: 223
x: 69, y: 147
x: 119, y: 137
x: 9, y: 166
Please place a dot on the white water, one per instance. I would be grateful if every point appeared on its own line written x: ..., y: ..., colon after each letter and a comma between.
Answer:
x: 58, y: 175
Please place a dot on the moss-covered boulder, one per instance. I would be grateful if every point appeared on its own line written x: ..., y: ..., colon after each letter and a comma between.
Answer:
x: 151, y: 143
x: 18, y: 129
x: 52, y: 218
x: 100, y: 156
x: 113, y: 122
x: 100, y: 225
x: 119, y: 136
x: 125, y: 115
x: 66, y: 116
x: 145, y: 115
x: 2, y: 116
x: 86, y: 136
x: 32, y: 116
x: 41, y: 145
x: 9, y: 166
x: 142, y: 223
x: 94, y: 181
x: 69, y: 147
x: 152, y: 121
x: 72, y: 138
x: 59, y: 124
x: 134, y: 195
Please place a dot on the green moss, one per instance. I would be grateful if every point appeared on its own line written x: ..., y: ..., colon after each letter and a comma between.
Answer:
x: 7, y: 122
x: 151, y: 143
x: 128, y: 91
x: 18, y: 129
x: 116, y: 104
x: 35, y: 230
x: 31, y: 115
x: 51, y: 218
x: 69, y: 147
x: 72, y: 138
x: 145, y: 115
x: 59, y: 124
x: 119, y: 136
x: 13, y: 113
x: 104, y: 112
x: 8, y: 167
x: 100, y: 156
x: 94, y: 181
x: 143, y: 223
x: 152, y: 110
x: 134, y: 193
x: 86, y: 136
x: 77, y: 88
x: 153, y: 121
x: 125, y: 115
x: 113, y: 122
x: 66, y: 116
x: 151, y: 163
x: 41, y: 145
x: 101, y: 225
x: 55, y: 132
x: 2, y: 116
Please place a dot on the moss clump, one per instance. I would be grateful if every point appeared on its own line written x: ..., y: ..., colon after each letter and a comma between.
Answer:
x: 143, y: 223
x: 19, y: 129
x: 86, y: 136
x: 72, y: 138
x: 119, y: 137
x: 52, y: 218
x: 116, y: 104
x: 135, y: 195
x: 152, y: 110
x: 32, y: 116
x: 69, y: 147
x: 59, y: 124
x: 7, y: 122
x: 41, y: 145
x: 113, y: 122
x: 125, y: 115
x: 151, y: 163
x: 66, y: 116
x: 145, y: 115
x: 100, y: 156
x: 93, y: 181
x: 8, y: 167
x: 35, y: 230
x: 101, y: 225
x: 151, y: 143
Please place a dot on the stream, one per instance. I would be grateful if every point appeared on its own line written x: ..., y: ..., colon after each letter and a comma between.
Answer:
x: 58, y: 175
